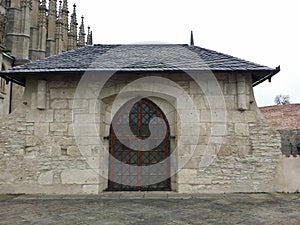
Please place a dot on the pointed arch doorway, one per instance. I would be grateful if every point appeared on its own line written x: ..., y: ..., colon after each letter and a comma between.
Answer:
x: 137, y: 169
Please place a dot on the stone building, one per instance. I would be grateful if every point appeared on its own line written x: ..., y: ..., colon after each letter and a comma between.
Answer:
x: 139, y: 118
x: 31, y: 30
x: 285, y: 119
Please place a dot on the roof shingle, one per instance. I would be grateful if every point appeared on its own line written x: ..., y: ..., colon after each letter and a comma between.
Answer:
x: 139, y: 58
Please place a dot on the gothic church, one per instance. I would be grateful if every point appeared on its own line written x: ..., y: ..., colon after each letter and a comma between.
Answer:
x: 32, y: 30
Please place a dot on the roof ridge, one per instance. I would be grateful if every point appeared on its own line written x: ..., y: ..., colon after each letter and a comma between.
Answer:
x: 141, y: 44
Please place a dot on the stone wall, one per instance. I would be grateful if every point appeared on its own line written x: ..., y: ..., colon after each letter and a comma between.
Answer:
x: 54, y: 142
x: 288, y: 174
x: 286, y: 119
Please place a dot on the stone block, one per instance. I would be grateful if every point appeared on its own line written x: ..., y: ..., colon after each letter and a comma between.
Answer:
x: 189, y: 116
x: 62, y: 93
x: 187, y: 172
x: 79, y: 104
x: 59, y: 104
x: 73, y: 151
x: 199, y: 150
x: 46, y: 178
x: 198, y: 88
x: 41, y: 94
x: 214, y: 88
x: 63, y: 84
x: 31, y: 141
x: 230, y: 102
x: 200, y: 102
x: 191, y: 163
x: 90, y: 189
x: 241, y: 129
x: 193, y: 129
x: 205, y: 116
x: 93, y: 162
x: 218, y: 129
x: 235, y: 116
x: 230, y: 89
x: 41, y: 129
x: 228, y: 150
x: 216, y: 116
x: 76, y: 176
x: 86, y: 129
x: 189, y: 140
x: 64, y: 141
x: 45, y: 116
x: 85, y: 118
x: 216, y: 102
x: 63, y: 116
x: 250, y: 117
x: 58, y: 127
x: 19, y: 152
x: 88, y: 140
x: 94, y: 106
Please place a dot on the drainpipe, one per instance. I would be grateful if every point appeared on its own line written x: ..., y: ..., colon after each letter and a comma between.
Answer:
x: 10, y: 97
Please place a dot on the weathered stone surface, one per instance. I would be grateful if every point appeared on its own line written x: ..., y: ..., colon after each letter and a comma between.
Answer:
x: 77, y: 176
x: 241, y: 129
x: 59, y: 104
x: 62, y: 93
x: 90, y: 189
x: 46, y: 178
x: 39, y: 116
x: 63, y: 127
x: 41, y: 129
x: 234, y: 151
x: 41, y: 94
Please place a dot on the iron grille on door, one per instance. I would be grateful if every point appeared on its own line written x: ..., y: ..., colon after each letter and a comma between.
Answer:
x: 134, y: 169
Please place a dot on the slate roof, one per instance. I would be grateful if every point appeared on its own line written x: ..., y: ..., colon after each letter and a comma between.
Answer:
x: 140, y: 58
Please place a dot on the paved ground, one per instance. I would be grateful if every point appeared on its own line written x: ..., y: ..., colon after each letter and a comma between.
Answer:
x: 151, y: 209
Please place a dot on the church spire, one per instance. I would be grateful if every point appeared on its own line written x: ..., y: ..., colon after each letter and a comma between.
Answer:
x: 74, y: 21
x: 59, y: 31
x: 192, y: 39
x: 59, y: 17
x: 52, y: 15
x: 52, y: 8
x: 81, y: 38
x: 65, y: 6
x: 43, y: 14
x: 89, y: 38
x: 42, y: 30
x: 65, y: 20
x: 73, y: 30
x: 65, y: 13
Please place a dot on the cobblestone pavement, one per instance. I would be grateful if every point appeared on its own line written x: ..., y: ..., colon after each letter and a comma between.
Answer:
x: 151, y: 208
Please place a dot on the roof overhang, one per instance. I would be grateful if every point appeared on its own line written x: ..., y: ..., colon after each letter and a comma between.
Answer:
x: 258, y: 76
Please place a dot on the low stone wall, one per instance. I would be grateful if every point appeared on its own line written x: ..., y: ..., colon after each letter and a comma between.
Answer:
x: 288, y: 174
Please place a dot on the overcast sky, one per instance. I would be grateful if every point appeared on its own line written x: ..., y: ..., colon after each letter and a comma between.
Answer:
x: 262, y: 31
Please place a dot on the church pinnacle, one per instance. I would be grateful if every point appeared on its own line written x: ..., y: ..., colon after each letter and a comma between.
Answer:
x: 81, y: 38
x: 89, y: 38
x: 73, y: 30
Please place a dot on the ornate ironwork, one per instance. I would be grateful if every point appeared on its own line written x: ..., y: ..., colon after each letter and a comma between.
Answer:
x: 141, y: 175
